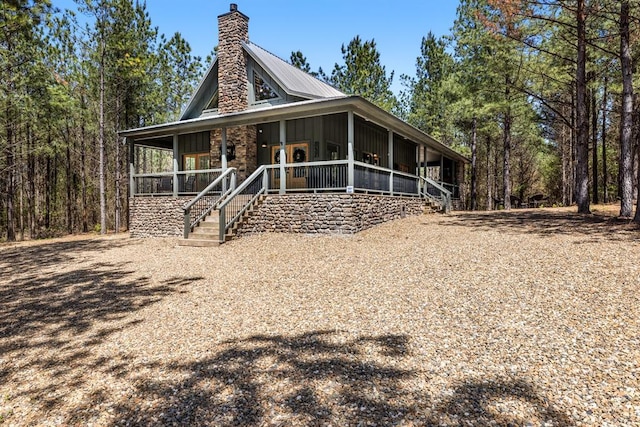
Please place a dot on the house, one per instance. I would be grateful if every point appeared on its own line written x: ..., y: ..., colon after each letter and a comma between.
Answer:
x: 264, y: 146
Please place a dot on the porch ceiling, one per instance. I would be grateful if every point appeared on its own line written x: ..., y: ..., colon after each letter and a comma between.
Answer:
x: 316, y: 107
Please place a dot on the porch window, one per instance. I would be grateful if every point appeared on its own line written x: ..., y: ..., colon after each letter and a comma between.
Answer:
x: 261, y: 89
x: 196, y: 161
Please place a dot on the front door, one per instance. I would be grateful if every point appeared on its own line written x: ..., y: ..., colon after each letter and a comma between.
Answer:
x: 297, y: 152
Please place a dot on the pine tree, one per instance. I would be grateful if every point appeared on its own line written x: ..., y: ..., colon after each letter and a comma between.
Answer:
x: 363, y: 74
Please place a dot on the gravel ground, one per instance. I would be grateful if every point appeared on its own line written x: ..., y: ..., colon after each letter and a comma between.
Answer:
x: 522, y: 318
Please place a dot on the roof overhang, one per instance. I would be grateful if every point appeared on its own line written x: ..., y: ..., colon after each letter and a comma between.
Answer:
x: 310, y: 108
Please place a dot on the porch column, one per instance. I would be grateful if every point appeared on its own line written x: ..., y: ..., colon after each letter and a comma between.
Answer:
x: 223, y: 156
x: 176, y: 186
x: 441, y: 168
x: 223, y: 149
x: 132, y: 169
x: 390, y: 144
x: 350, y: 157
x: 418, y: 151
x: 424, y: 169
x: 283, y: 157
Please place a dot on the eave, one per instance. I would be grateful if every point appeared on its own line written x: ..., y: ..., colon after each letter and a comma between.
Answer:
x: 310, y: 108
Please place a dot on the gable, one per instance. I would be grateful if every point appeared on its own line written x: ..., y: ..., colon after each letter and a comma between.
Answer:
x: 279, y: 80
x: 203, y: 95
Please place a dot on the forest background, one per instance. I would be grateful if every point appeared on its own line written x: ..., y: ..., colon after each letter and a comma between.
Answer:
x: 537, y: 93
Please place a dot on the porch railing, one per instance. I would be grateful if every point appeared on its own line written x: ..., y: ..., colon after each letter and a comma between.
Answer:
x: 434, y: 191
x: 310, y: 176
x: 189, y: 182
x: 370, y: 178
x: 207, y: 199
x: 240, y: 199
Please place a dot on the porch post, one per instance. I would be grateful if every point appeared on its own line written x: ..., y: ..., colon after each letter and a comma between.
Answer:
x: 441, y: 168
x: 176, y: 186
x: 223, y: 156
x: 424, y: 170
x: 390, y: 144
x: 132, y: 168
x: 350, y: 157
x: 223, y: 149
x: 283, y: 157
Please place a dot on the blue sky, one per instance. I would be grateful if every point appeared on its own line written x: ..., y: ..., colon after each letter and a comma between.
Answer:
x: 317, y: 28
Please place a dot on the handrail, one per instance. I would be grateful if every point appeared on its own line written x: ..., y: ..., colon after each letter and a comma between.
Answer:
x: 445, y: 194
x: 188, y: 224
x: 222, y: 205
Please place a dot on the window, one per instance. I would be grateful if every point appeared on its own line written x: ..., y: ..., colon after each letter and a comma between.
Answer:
x: 213, y: 104
x: 194, y: 162
x: 261, y: 89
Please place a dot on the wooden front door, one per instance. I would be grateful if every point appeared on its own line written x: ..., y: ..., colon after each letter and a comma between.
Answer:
x: 295, y: 153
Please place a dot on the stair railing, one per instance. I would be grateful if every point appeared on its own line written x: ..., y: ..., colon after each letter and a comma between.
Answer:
x: 236, y: 204
x: 207, y: 199
x: 431, y: 190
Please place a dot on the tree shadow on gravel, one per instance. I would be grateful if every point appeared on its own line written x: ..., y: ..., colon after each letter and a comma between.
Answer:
x: 317, y: 378
x: 497, y: 402
x: 548, y: 223
x: 53, y: 313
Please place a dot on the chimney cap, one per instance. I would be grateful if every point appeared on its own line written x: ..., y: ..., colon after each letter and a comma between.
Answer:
x: 233, y: 9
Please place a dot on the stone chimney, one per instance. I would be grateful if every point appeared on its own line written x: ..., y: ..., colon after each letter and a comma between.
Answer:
x: 233, y: 94
x: 233, y: 89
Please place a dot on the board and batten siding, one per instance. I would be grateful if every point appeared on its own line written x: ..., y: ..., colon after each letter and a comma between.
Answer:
x: 332, y: 129
x: 191, y: 143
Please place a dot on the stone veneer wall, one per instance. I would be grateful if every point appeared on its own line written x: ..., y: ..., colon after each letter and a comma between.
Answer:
x: 327, y: 213
x: 159, y: 216
x: 244, y: 139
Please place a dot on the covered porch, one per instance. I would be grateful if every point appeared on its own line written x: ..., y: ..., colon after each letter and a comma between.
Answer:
x: 339, y: 146
x: 343, y: 151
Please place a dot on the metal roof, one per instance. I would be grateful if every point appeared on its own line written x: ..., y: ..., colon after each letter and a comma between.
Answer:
x: 293, y: 80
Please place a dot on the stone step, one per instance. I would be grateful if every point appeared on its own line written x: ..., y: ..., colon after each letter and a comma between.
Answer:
x: 208, y: 224
x: 204, y: 234
x: 199, y: 243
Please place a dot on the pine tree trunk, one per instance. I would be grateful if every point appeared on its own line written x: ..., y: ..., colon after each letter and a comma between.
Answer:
x: 605, y: 190
x: 626, y: 118
x: 10, y: 167
x: 118, y: 163
x: 506, y: 170
x: 489, y: 183
x: 474, y: 180
x: 31, y: 193
x: 69, y: 184
x: 83, y: 172
x: 582, y: 142
x: 101, y: 143
x: 594, y: 144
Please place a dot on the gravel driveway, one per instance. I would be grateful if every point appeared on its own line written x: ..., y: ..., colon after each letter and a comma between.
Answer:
x: 522, y: 318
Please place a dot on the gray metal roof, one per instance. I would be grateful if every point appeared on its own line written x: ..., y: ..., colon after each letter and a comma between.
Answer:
x: 293, y: 80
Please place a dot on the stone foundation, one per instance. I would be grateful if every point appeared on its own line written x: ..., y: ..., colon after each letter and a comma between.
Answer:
x: 327, y: 213
x: 159, y: 216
